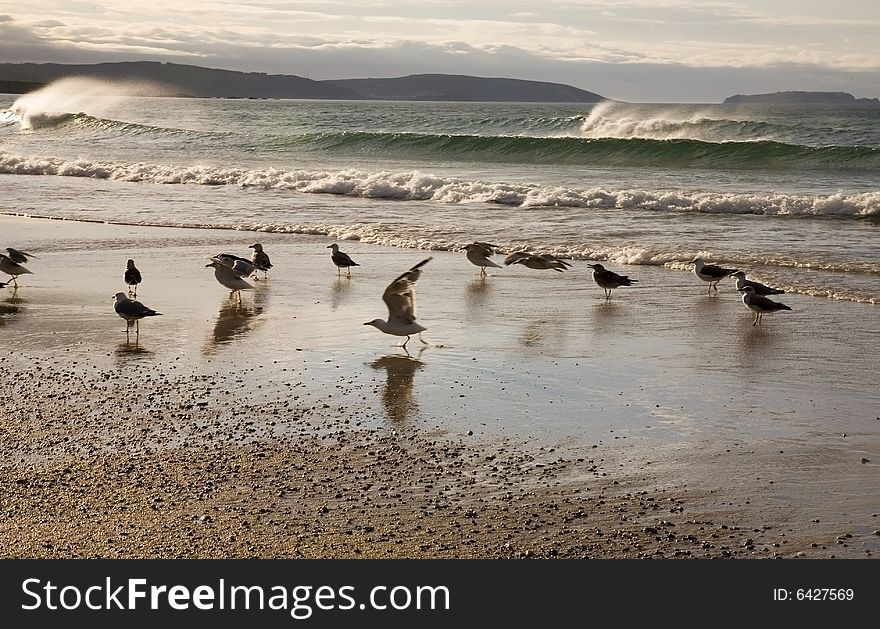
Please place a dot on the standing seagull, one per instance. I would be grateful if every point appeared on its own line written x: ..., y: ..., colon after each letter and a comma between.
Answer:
x: 760, y: 305
x: 11, y: 267
x: 760, y: 289
x: 19, y: 256
x: 341, y: 260
x: 710, y: 272
x: 132, y: 311
x: 229, y: 277
x: 479, y: 252
x: 400, y: 297
x: 132, y: 277
x: 609, y: 280
x: 260, y: 259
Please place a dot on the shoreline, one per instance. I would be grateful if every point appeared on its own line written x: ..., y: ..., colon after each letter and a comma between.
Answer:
x: 541, y: 423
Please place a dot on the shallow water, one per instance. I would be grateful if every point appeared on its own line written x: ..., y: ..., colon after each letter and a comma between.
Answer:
x: 789, y: 194
x: 662, y: 373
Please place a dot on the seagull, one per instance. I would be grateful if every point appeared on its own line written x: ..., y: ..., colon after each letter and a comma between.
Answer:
x: 609, y: 280
x: 341, y: 260
x: 242, y: 266
x: 537, y: 261
x: 759, y: 304
x: 760, y: 289
x: 400, y: 297
x: 132, y: 311
x: 479, y: 252
x: 19, y: 256
x: 260, y: 259
x: 11, y: 267
x: 710, y: 272
x: 132, y: 277
x: 229, y: 277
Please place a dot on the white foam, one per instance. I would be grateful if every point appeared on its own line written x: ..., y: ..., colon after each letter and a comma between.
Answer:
x: 422, y: 186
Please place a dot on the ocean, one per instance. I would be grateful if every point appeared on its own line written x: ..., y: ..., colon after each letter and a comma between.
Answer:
x: 790, y: 194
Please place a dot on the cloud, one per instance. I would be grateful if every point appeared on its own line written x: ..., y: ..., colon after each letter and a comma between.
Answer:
x: 612, y: 57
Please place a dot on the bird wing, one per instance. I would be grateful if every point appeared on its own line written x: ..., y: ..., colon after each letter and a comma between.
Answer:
x: 133, y: 308
x: 400, y: 295
x: 516, y: 258
x: 261, y: 259
x: 18, y: 256
x: 132, y: 276
x: 243, y: 267
x: 485, y: 249
x: 552, y: 258
x: 716, y: 271
x: 342, y: 258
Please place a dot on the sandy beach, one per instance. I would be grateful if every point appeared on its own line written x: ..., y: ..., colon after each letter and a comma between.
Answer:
x: 542, y: 420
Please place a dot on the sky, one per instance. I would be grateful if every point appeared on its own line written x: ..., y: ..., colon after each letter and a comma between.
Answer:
x: 631, y: 50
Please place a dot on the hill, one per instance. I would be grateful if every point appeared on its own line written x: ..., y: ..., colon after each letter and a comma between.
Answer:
x: 455, y: 87
x: 196, y: 81
x: 800, y: 98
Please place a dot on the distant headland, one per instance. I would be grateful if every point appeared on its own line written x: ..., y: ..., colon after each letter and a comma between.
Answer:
x: 195, y: 81
x: 800, y: 98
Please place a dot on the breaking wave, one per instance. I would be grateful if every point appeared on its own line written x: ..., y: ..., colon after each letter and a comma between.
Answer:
x: 420, y: 186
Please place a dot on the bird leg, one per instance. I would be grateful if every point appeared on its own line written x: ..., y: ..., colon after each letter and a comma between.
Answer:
x: 405, y: 342
x: 349, y: 271
x: 14, y: 282
x: 424, y: 342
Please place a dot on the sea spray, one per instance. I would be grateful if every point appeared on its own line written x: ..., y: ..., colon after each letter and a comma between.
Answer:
x: 64, y: 97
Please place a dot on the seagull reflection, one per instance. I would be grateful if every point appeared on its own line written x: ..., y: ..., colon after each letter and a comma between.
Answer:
x: 129, y: 349
x: 338, y: 289
x: 397, y: 395
x: 10, y: 308
x: 604, y: 315
x: 476, y: 295
x: 234, y: 319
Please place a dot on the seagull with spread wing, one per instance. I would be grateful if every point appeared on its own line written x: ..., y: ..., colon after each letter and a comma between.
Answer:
x: 479, y: 253
x: 11, y: 267
x: 400, y: 297
x: 541, y: 262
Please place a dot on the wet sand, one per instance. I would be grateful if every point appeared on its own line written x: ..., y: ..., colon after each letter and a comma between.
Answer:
x: 542, y: 421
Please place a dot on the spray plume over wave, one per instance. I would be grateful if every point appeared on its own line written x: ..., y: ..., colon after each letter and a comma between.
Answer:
x: 61, y: 100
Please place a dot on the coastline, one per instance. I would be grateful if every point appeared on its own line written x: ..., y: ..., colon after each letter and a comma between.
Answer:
x: 542, y: 422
